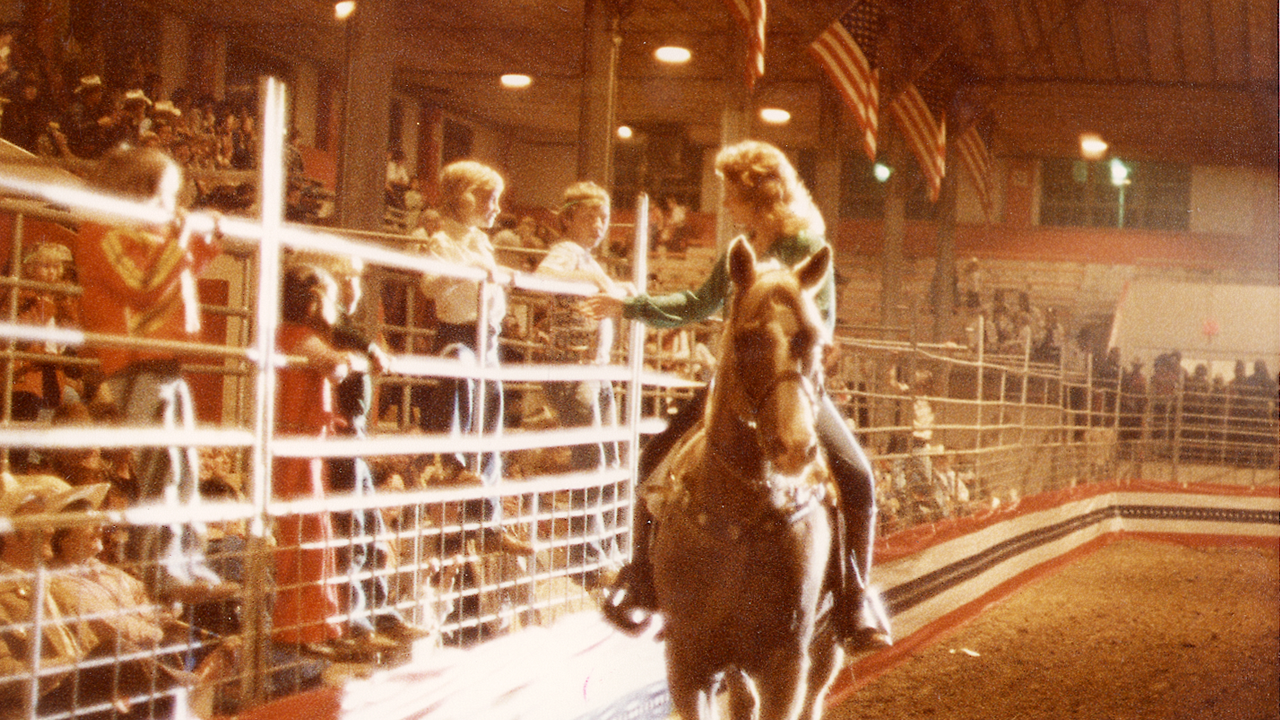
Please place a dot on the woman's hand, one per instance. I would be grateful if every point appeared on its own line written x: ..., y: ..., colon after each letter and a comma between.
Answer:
x: 601, y: 307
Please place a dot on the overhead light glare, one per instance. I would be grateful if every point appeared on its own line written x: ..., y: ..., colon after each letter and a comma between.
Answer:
x: 673, y: 54
x: 625, y: 132
x: 1092, y: 146
x: 515, y: 80
x: 775, y: 116
x: 882, y: 171
x: 342, y: 10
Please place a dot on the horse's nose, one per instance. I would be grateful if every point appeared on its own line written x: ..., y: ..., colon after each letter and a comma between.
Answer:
x: 793, y: 457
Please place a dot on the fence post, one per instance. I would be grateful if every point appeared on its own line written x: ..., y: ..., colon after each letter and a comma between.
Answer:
x: 635, y: 353
x: 257, y: 570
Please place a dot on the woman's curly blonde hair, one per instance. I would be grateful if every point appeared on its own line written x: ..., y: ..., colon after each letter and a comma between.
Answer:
x: 765, y: 180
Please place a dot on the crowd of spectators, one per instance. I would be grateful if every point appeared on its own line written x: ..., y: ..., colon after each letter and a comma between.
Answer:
x: 77, y: 118
x: 1010, y: 323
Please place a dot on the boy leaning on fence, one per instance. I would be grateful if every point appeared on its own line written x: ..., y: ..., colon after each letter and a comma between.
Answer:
x: 139, y: 283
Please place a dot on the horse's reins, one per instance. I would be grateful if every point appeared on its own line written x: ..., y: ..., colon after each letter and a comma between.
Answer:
x: 751, y: 418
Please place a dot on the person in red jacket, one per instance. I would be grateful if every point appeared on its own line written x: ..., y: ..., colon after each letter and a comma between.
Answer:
x: 139, y: 283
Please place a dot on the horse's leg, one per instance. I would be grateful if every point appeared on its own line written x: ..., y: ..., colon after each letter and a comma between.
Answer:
x: 781, y: 684
x: 742, y: 696
x: 689, y: 682
x: 827, y: 657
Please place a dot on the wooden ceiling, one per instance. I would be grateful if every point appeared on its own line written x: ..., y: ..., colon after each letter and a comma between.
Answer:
x: 1178, y: 80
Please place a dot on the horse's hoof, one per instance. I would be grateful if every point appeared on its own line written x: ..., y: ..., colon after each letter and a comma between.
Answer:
x: 866, y: 639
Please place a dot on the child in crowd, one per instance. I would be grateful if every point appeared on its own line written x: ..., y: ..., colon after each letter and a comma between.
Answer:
x: 584, y: 215
x: 39, y: 387
x: 469, y: 195
x: 367, y: 599
x: 139, y: 283
x: 306, y: 602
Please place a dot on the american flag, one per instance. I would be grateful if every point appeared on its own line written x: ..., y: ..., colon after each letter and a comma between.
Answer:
x: 924, y: 125
x: 750, y: 15
x: 847, y: 51
x: 973, y: 152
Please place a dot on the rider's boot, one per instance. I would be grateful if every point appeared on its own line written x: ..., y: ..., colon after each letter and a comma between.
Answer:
x: 862, y: 623
x: 629, y: 603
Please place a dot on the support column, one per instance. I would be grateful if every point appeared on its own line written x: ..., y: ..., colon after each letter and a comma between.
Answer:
x: 942, y: 293
x: 735, y: 119
x: 892, y: 262
x: 601, y: 42
x: 366, y: 107
x: 828, y: 163
x: 174, y: 44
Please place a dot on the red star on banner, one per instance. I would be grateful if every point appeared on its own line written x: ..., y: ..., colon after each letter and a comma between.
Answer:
x: 1209, y: 328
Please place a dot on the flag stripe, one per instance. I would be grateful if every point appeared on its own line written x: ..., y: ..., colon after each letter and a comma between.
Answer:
x: 977, y: 160
x: 750, y: 14
x: 926, y: 137
x: 851, y: 69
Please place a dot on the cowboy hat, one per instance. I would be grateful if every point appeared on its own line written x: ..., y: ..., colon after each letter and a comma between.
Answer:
x: 53, y: 493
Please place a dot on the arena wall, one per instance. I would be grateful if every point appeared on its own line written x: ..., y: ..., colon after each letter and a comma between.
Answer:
x: 934, y: 578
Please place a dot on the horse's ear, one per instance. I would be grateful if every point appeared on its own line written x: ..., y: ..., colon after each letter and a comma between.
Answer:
x: 742, y: 263
x: 813, y: 270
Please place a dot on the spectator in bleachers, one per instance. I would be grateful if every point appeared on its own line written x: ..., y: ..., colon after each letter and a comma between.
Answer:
x: 27, y: 115
x: 139, y: 283
x: 63, y: 645
x: 113, y: 606
x: 135, y: 117
x: 40, y: 387
x: 90, y: 123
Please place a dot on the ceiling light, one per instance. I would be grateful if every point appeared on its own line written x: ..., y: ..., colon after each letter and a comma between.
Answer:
x: 775, y: 116
x: 882, y: 171
x: 1092, y: 146
x: 515, y: 80
x: 342, y: 10
x: 673, y: 54
x: 624, y: 132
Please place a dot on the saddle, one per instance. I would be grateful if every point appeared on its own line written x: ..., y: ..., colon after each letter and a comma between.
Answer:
x: 665, y: 489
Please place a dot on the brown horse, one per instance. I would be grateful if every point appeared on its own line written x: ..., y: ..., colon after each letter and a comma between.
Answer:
x: 745, y: 527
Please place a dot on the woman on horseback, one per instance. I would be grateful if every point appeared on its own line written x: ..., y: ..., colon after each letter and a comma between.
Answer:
x: 764, y: 196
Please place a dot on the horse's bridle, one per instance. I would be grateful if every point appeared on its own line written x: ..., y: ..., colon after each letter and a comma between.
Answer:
x: 750, y: 418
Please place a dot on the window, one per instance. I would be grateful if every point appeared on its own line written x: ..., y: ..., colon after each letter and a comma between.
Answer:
x: 1116, y: 193
x: 862, y: 194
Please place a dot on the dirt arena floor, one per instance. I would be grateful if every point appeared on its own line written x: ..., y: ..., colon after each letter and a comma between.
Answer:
x: 1138, y: 630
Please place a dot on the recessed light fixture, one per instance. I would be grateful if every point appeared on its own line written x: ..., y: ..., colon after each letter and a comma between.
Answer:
x: 515, y: 80
x: 1092, y: 146
x: 342, y: 10
x: 673, y: 54
x: 882, y: 171
x: 625, y: 132
x: 775, y: 116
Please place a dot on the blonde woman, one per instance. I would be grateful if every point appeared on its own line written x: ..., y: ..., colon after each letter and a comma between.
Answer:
x: 765, y: 197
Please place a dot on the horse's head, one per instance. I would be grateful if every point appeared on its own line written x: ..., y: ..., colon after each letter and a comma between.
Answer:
x: 774, y: 340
